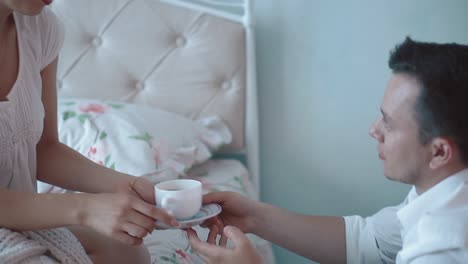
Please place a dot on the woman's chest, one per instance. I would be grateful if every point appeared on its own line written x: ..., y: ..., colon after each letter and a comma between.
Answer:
x: 9, y: 68
x: 21, y: 117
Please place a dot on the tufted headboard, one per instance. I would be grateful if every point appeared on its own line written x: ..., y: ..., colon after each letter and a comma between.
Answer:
x: 193, y: 57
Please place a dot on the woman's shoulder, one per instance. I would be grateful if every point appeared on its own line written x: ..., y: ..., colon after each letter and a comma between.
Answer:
x: 40, y: 23
x: 44, y: 34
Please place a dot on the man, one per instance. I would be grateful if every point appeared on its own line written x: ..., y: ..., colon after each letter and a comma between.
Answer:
x: 422, y: 138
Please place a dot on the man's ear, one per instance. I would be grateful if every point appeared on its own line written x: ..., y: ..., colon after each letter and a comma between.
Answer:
x: 442, y: 152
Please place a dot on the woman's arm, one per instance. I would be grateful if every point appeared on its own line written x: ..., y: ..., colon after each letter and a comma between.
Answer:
x: 121, y: 216
x: 30, y: 211
x: 126, y: 212
x: 64, y: 167
x: 60, y: 165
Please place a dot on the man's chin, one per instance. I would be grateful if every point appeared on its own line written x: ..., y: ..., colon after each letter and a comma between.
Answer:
x: 391, y: 178
x: 396, y: 179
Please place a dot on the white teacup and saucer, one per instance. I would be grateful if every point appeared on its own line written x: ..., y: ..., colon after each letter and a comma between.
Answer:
x: 183, y: 199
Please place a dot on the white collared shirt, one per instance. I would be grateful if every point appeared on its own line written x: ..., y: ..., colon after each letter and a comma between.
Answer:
x: 435, y: 223
x: 430, y: 228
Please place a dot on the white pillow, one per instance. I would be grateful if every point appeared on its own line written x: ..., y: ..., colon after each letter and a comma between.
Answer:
x: 137, y: 140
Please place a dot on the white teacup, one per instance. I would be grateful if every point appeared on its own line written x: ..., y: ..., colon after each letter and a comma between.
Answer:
x: 181, y: 198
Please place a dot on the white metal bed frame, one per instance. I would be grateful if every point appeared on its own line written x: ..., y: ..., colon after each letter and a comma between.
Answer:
x: 244, y: 16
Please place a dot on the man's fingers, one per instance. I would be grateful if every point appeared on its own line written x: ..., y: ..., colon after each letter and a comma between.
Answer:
x: 205, y: 259
x: 223, y: 240
x: 203, y: 248
x: 212, y: 235
x: 236, y: 235
x: 214, y: 197
x: 208, y: 222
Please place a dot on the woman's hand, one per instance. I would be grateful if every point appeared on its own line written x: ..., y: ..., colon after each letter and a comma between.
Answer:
x: 141, y: 188
x: 123, y: 216
x: 243, y: 252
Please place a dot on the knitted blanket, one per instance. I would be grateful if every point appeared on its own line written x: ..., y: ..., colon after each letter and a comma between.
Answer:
x: 57, y: 245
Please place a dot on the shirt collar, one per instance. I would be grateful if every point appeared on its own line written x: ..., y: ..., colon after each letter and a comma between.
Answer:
x: 430, y: 199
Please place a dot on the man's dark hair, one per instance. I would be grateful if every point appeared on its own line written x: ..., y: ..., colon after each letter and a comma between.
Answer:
x: 442, y: 71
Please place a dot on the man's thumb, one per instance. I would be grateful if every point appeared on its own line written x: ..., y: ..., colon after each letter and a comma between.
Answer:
x: 236, y: 235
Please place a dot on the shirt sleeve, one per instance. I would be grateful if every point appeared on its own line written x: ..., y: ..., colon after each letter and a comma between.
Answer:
x: 51, y: 35
x: 451, y: 256
x: 360, y: 241
x: 374, y: 239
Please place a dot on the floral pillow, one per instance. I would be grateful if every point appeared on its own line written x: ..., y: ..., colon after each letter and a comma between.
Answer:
x: 138, y: 140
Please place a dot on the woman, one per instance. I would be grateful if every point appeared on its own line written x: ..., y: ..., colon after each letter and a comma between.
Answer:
x: 115, y: 211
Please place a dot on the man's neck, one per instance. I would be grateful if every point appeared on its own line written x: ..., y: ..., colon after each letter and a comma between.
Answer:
x: 437, y: 176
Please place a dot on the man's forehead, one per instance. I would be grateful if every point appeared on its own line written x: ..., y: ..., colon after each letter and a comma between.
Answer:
x: 400, y: 95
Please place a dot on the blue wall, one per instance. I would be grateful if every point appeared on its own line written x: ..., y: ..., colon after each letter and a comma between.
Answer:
x: 322, y: 70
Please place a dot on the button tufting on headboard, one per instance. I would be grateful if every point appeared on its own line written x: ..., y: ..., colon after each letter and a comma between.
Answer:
x: 97, y: 41
x: 137, y: 51
x: 181, y: 41
x: 140, y: 86
x: 226, y: 85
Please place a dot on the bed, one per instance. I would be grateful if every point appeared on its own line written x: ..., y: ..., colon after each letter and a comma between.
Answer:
x: 163, y: 89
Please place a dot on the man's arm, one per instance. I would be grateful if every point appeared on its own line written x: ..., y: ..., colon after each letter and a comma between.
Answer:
x: 320, y: 238
x: 326, y: 239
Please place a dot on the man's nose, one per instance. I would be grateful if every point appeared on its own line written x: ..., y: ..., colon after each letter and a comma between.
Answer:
x: 373, y: 131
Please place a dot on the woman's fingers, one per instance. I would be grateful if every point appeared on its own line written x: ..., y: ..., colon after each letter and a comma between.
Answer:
x: 144, y: 189
x: 141, y: 220
x: 154, y: 212
x: 128, y: 239
x: 134, y: 230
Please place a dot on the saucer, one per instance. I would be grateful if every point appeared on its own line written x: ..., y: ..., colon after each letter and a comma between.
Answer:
x: 207, y: 211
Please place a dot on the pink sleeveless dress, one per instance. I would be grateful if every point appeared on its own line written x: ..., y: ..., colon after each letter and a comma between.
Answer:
x: 21, y: 117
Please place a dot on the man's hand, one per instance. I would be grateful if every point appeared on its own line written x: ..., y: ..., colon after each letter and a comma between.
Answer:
x: 243, y: 252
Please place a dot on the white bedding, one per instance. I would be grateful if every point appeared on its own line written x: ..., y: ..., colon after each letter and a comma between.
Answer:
x: 171, y: 246
x: 192, y: 58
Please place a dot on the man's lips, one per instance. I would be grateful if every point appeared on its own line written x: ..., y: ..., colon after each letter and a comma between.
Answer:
x: 47, y: 2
